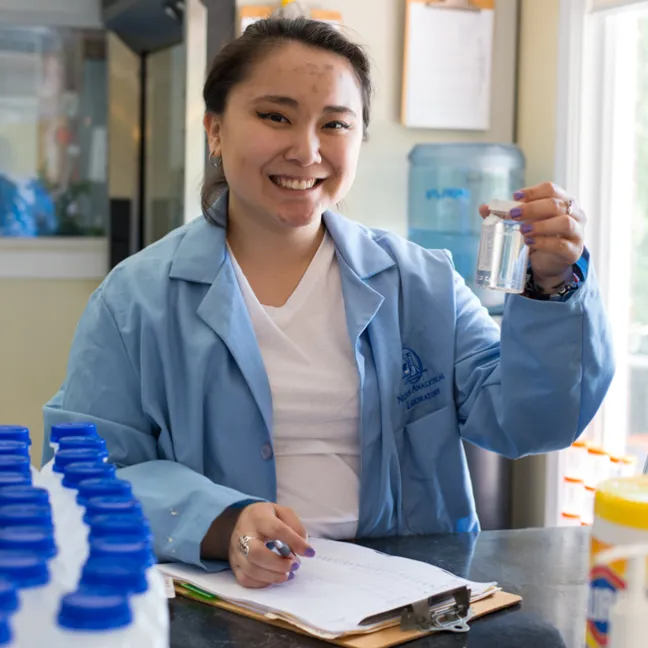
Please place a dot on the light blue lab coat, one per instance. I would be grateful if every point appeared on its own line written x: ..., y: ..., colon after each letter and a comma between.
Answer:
x: 166, y: 363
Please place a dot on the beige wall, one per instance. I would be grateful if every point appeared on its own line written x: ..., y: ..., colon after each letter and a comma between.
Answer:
x: 37, y: 321
x: 536, y: 135
x: 379, y: 195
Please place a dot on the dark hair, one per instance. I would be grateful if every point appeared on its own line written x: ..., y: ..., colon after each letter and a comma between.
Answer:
x: 234, y: 61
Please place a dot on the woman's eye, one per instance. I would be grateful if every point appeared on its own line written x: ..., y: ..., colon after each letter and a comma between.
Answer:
x: 274, y: 117
x: 338, y: 125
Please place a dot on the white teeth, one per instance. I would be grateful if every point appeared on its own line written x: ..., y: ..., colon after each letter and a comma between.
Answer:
x: 291, y: 183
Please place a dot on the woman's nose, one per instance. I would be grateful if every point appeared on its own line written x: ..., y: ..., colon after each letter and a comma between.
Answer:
x: 304, y: 149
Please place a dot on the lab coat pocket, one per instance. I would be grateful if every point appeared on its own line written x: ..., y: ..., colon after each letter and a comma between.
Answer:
x: 430, y: 452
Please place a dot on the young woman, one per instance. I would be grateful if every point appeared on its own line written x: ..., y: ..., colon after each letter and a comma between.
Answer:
x: 273, y: 369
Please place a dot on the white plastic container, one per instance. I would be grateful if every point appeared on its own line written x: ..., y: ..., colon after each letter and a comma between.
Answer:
x: 37, y: 594
x: 108, y: 577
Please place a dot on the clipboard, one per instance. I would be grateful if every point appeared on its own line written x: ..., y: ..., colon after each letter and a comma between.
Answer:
x: 414, y: 621
x: 447, y: 64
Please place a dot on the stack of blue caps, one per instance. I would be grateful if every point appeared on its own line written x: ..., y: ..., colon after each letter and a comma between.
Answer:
x: 76, y: 473
x: 8, y: 606
x: 91, y: 488
x: 64, y: 458
x: 15, y: 433
x: 63, y: 430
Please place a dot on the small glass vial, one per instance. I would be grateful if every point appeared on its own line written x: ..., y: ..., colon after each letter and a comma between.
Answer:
x: 503, y: 255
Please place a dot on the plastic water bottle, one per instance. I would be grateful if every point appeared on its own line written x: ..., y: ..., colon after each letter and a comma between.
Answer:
x: 64, y: 430
x: 125, y: 549
x: 86, y: 619
x: 106, y: 577
x: 75, y: 547
x: 23, y: 494
x: 90, y: 488
x: 8, y: 607
x: 10, y: 447
x: 29, y: 573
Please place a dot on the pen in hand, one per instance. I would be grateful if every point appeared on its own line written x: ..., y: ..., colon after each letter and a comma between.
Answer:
x: 280, y: 547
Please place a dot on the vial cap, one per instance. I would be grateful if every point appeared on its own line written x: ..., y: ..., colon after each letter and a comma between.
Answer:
x: 15, y: 464
x: 76, y: 442
x: 11, y: 447
x: 122, y: 548
x: 76, y: 473
x: 130, y: 526
x: 8, y: 597
x: 38, y: 515
x: 36, y: 540
x: 93, y: 612
x: 90, y: 488
x: 5, y: 631
x: 502, y: 207
x: 65, y: 457
x: 72, y: 429
x: 24, y: 569
x: 15, y: 479
x: 109, y: 576
x: 110, y: 504
x: 15, y: 433
x: 23, y: 494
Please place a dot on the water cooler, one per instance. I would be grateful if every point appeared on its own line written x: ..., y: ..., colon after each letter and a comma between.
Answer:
x: 447, y: 183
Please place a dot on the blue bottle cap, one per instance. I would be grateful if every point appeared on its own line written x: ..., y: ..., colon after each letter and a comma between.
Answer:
x: 75, y: 473
x: 23, y: 494
x: 15, y: 463
x: 5, y: 631
x: 15, y: 433
x: 94, y: 613
x: 72, y: 429
x: 36, y: 540
x: 90, y: 488
x: 122, y: 548
x: 129, y: 526
x: 11, y: 447
x: 66, y: 457
x: 110, y: 504
x: 37, y: 515
x: 8, y: 597
x: 107, y: 576
x: 15, y: 479
x: 76, y: 442
x: 23, y: 569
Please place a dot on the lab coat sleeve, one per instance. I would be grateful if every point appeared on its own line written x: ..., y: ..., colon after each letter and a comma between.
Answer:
x: 103, y: 386
x: 536, y: 388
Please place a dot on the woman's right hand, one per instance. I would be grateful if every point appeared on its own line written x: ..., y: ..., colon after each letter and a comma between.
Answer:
x: 260, y: 523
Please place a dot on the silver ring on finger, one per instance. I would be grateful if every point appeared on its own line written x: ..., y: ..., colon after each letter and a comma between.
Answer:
x: 244, y: 544
x: 569, y: 206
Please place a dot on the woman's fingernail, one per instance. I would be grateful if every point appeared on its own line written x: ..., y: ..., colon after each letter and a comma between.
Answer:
x: 526, y: 228
x: 516, y: 212
x: 291, y: 575
x: 310, y: 552
x: 518, y: 195
x: 294, y: 567
x: 529, y: 241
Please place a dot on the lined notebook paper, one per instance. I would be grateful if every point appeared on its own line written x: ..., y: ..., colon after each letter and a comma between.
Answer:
x: 335, y: 591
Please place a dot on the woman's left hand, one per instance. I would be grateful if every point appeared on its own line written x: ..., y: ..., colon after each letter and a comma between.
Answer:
x: 553, y: 227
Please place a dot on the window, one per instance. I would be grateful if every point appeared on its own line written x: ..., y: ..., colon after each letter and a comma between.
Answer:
x: 53, y: 149
x: 604, y: 160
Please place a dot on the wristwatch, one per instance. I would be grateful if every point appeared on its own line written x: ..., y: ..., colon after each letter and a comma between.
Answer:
x: 560, y: 294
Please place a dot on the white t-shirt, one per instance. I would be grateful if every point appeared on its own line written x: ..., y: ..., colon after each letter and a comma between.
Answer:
x: 314, y: 383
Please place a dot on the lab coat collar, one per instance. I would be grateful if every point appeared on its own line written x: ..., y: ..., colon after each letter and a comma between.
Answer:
x: 202, y: 251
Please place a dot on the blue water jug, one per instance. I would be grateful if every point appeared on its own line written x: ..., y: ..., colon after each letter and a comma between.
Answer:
x: 447, y: 183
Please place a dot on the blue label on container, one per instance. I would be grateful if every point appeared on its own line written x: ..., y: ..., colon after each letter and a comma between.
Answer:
x: 453, y: 193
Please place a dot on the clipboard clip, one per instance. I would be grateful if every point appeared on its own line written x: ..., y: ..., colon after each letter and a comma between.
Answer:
x: 431, y: 614
x: 457, y: 5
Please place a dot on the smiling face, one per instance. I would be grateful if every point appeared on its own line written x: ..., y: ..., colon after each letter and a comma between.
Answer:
x: 290, y: 136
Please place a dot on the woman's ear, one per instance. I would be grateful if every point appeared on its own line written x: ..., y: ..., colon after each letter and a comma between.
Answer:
x: 212, y: 125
